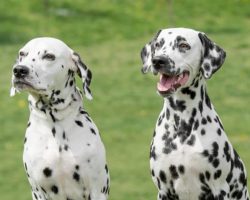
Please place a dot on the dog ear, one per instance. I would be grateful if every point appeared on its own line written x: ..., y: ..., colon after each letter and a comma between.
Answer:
x: 212, y: 57
x: 147, y: 54
x: 84, y: 73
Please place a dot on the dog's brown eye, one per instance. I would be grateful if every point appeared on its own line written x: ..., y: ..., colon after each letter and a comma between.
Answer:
x: 49, y: 56
x: 21, y: 53
x: 184, y: 46
x: 157, y: 44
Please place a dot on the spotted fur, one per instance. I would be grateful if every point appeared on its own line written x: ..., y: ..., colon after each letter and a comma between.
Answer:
x: 64, y: 157
x: 190, y: 154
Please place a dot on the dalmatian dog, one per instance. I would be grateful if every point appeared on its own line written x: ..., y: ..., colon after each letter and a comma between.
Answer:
x: 64, y: 156
x: 191, y: 157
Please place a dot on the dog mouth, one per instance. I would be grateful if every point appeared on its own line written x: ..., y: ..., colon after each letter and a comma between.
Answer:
x: 25, y: 85
x: 170, y: 83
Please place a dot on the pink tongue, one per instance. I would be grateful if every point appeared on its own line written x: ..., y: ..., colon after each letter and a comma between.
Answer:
x: 167, y: 83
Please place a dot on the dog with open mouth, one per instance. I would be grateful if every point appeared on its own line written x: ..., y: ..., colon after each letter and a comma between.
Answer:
x: 191, y: 157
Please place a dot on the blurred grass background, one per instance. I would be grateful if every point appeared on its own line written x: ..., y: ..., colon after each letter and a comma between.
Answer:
x: 109, y: 35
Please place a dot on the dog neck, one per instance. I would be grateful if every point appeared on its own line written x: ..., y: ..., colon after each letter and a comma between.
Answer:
x: 188, y: 103
x: 56, y: 106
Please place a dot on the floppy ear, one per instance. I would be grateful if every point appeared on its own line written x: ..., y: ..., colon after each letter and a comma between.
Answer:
x: 147, y: 53
x: 146, y: 58
x: 212, y: 58
x: 84, y: 73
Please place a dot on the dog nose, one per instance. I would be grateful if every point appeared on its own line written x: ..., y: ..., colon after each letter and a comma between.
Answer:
x: 160, y: 61
x: 20, y: 71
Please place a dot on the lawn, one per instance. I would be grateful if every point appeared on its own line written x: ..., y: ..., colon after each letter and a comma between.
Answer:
x: 109, y: 35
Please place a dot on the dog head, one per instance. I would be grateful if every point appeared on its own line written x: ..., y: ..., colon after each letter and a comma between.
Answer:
x: 178, y: 55
x: 45, y: 65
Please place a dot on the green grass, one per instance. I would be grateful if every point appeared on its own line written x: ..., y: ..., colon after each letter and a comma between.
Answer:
x: 109, y: 35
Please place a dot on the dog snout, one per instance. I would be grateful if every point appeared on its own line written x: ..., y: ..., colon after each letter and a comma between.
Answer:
x: 160, y: 62
x: 20, y: 71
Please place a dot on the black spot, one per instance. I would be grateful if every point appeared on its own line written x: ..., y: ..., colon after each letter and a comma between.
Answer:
x: 242, y: 179
x: 219, y: 131
x: 106, y: 169
x: 162, y: 176
x: 25, y: 166
x: 71, y: 83
x: 184, y: 130
x: 25, y: 140
x: 237, y: 161
x: 203, y: 132
x: 189, y: 92
x: 194, y: 112
x: 217, y: 174
x: 160, y: 119
x: 209, y: 119
x: 177, y: 105
x: 76, y: 176
x: 88, y: 119
x: 200, y: 107
x: 66, y: 147
x: 152, y: 153
x: 207, y: 174
x: 43, y: 190
x: 54, y: 189
x: 205, y: 153
x: 215, y: 149
x: 207, y: 100
x: 218, y: 120
x: 92, y: 131
x: 191, y: 141
x: 47, y: 172
x: 181, y: 169
x: 202, y: 178
x: 35, y: 195
x: 28, y: 125
x: 54, y: 131
x: 77, y: 167
x: 227, y: 151
x: 176, y: 119
x: 158, y: 183
x: 52, y: 116
x: 216, y: 163
x: 202, y: 93
x: 79, y: 123
x: 229, y: 177
x: 173, y: 172
x: 83, y: 112
x: 152, y: 172
x: 196, y: 125
x: 64, y: 135
x: 167, y: 114
x: 204, y: 121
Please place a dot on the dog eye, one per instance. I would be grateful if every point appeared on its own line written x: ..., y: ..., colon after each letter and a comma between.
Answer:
x: 157, y: 44
x: 49, y: 56
x: 21, y: 53
x: 184, y: 46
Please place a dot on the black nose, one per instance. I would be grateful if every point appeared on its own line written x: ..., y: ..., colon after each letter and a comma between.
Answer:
x: 20, y: 71
x: 160, y: 61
